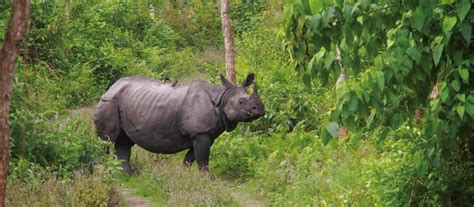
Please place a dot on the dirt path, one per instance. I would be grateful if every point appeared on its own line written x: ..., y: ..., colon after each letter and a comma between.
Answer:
x: 245, y: 201
x: 132, y: 201
x: 129, y: 197
x: 136, y: 201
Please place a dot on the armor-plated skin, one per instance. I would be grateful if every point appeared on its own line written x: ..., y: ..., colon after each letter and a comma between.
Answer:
x: 168, y: 118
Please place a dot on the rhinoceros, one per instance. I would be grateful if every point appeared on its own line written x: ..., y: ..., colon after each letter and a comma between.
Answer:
x: 168, y: 117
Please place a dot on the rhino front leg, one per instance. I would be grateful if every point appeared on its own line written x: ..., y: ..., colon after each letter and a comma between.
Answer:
x: 189, y: 158
x: 202, y: 147
x: 123, y: 147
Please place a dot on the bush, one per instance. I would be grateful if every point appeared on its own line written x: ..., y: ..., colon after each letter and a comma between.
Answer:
x: 83, y: 189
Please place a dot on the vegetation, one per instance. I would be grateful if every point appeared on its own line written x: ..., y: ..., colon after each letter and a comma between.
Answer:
x: 393, y: 53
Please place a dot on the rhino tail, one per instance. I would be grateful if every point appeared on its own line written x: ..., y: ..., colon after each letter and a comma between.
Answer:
x: 107, y: 120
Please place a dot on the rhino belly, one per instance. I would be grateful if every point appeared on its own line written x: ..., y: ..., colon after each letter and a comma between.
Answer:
x: 160, y: 142
x: 155, y: 130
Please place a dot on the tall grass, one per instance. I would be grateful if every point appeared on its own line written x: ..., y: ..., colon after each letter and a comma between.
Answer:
x: 82, y: 189
x: 164, y: 181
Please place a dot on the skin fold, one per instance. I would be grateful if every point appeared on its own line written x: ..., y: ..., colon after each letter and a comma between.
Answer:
x: 169, y: 117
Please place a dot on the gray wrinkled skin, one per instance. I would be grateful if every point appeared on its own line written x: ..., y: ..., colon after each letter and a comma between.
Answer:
x: 168, y: 118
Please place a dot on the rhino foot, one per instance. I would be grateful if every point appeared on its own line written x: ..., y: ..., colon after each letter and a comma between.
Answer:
x: 127, y: 169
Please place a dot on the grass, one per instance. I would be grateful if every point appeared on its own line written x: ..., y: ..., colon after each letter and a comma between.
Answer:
x: 164, y: 181
x: 84, y: 189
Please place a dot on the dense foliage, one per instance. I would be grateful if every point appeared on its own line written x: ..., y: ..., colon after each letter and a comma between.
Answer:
x: 393, y: 53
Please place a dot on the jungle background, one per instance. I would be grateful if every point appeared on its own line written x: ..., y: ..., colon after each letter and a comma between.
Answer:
x: 400, y: 145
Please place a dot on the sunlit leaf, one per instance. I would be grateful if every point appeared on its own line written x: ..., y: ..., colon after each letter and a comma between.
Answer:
x: 315, y: 6
x: 456, y: 84
x: 448, y: 23
x: 460, y: 110
x: 447, y: 1
x: 464, y: 73
x: 461, y: 97
x: 437, y: 49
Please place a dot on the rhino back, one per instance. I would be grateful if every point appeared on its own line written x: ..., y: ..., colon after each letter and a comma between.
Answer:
x: 148, y: 113
x: 161, y: 117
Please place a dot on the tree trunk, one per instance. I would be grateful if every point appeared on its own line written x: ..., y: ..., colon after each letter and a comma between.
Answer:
x: 229, y: 50
x: 342, y: 77
x: 14, y: 34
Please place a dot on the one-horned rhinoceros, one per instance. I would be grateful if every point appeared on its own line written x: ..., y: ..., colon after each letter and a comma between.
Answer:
x: 167, y: 118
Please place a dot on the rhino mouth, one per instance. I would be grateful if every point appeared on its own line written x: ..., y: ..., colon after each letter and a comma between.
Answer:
x: 254, y: 114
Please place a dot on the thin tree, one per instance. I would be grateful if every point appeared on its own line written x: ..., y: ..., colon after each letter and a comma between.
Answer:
x: 14, y: 34
x: 229, y: 50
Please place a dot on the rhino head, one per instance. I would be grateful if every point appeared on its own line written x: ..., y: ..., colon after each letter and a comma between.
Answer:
x: 238, y: 104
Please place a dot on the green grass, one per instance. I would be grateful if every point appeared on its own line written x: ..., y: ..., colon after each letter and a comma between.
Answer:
x: 162, y: 180
x: 83, y: 189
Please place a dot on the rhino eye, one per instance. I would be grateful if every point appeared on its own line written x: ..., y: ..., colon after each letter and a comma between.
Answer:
x: 241, y: 101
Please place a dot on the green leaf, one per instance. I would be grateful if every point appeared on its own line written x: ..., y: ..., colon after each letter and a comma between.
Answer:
x: 448, y: 23
x: 437, y: 49
x: 414, y: 54
x: 418, y: 18
x: 288, y: 11
x: 329, y: 59
x: 353, y: 103
x: 315, y: 6
x: 380, y: 78
x: 462, y: 8
x: 333, y: 129
x: 421, y: 167
x: 307, y: 80
x: 456, y: 56
x: 466, y: 30
x: 464, y: 73
x: 444, y: 92
x: 325, y: 137
x: 460, y: 110
x: 314, y: 22
x: 461, y: 97
x: 447, y: 1
x: 456, y: 84
x: 436, y: 161
x: 469, y: 108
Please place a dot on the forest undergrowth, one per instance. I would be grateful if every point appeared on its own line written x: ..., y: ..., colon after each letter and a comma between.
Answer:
x: 282, y: 159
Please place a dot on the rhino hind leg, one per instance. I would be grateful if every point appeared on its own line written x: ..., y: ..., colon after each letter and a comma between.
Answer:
x: 106, y: 120
x: 123, y: 147
x: 189, y: 158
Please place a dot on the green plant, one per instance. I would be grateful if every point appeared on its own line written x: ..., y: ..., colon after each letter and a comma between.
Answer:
x: 394, y: 53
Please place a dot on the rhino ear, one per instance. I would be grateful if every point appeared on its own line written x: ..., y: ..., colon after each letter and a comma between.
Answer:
x: 249, y: 80
x: 225, y: 82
